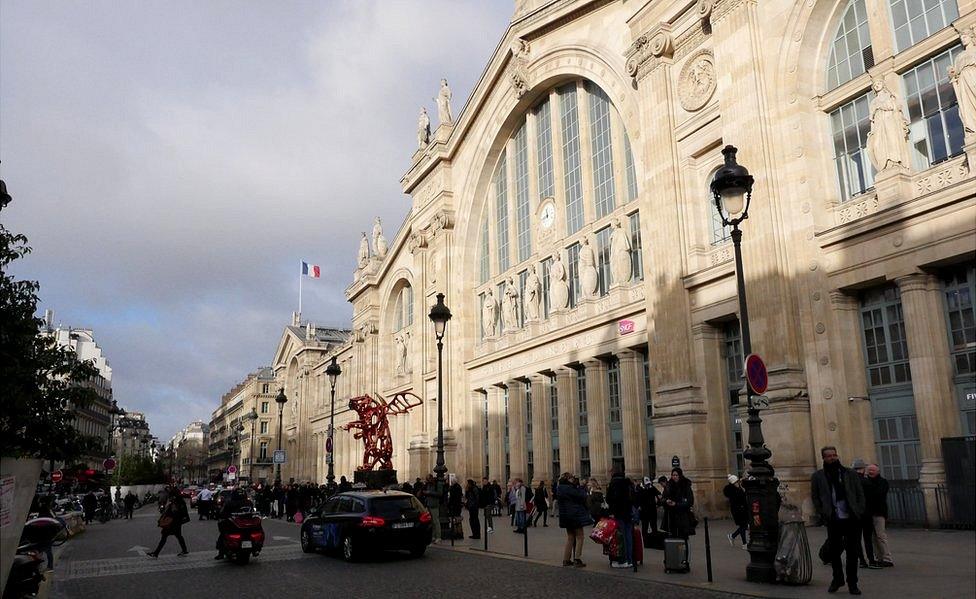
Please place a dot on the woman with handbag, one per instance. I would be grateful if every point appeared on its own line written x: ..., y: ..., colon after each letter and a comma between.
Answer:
x: 174, y: 516
x: 678, y: 500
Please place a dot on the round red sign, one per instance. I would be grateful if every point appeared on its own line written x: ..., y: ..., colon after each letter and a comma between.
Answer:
x: 232, y: 469
x: 56, y: 476
x: 328, y: 445
x: 109, y: 464
x: 756, y: 374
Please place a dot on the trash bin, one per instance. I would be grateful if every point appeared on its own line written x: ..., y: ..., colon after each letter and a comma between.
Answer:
x: 793, y: 563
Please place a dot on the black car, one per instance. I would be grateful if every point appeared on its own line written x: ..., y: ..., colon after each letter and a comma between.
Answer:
x: 360, y: 522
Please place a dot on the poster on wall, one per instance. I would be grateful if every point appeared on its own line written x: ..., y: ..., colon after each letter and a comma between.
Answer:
x: 7, y: 500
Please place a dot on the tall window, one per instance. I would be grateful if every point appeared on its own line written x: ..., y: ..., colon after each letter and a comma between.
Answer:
x: 522, y: 236
x: 264, y: 388
x: 631, y: 170
x: 935, y: 132
x: 601, y: 151
x: 555, y: 461
x: 572, y: 168
x: 960, y: 287
x: 636, y: 251
x: 581, y: 397
x: 899, y: 450
x: 264, y: 427
x: 264, y: 407
x: 485, y: 258
x: 603, y: 260
x: 263, y: 450
x: 553, y: 405
x: 613, y: 396
x: 915, y: 20
x: 573, y: 274
x: 850, y: 53
x: 546, y: 264
x: 584, y: 461
x: 543, y: 126
x: 404, y: 308
x: 501, y: 212
x: 885, y: 344
x: 617, y: 456
x: 528, y: 409
x: 850, y: 125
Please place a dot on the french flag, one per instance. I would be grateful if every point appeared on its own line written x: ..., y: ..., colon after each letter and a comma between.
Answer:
x: 310, y: 270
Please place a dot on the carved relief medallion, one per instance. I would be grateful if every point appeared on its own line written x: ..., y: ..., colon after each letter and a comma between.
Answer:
x: 696, y: 83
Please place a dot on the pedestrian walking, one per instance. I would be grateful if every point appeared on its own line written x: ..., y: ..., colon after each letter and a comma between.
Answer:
x: 89, y: 503
x: 739, y: 509
x: 204, y: 503
x: 621, y: 501
x: 647, y: 501
x: 865, y: 545
x: 455, y: 502
x: 472, y: 501
x: 678, y: 499
x: 541, y: 499
x: 432, y: 496
x: 876, y: 507
x: 838, y: 498
x: 486, y: 502
x: 573, y: 516
x: 171, y: 522
x: 519, y: 505
x: 129, y: 504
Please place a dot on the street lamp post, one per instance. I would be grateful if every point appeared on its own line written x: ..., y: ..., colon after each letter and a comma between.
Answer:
x: 333, y: 371
x: 439, y: 315
x: 281, y: 399
x: 732, y: 193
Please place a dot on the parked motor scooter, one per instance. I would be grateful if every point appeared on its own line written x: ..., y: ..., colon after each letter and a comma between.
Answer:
x: 241, y: 536
x: 26, y: 570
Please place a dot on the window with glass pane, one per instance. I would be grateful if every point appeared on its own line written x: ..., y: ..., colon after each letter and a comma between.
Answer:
x: 898, y: 445
x: 733, y: 361
x: 546, y: 264
x: 915, y: 20
x: 648, y: 404
x: 651, y: 459
x: 555, y: 461
x: 636, y: 253
x: 581, y: 397
x: 522, y: 237
x: 264, y: 427
x: 886, y: 348
x: 617, y: 456
x: 630, y: 170
x: 522, y: 276
x: 603, y: 260
x: 485, y: 258
x: 574, y: 282
x: 613, y: 395
x: 501, y: 212
x: 528, y: 410
x: 263, y: 450
x: 720, y: 232
x: 849, y: 126
x: 407, y: 293
x: 601, y: 152
x: 572, y: 169
x: 543, y: 127
x: 960, y: 288
x: 553, y: 404
x: 850, y: 52
x: 935, y: 131
x: 585, y: 461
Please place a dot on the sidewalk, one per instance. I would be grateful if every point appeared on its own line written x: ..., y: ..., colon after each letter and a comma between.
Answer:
x: 927, y: 563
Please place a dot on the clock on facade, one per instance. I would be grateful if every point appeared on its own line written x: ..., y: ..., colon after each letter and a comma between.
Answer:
x: 548, y: 215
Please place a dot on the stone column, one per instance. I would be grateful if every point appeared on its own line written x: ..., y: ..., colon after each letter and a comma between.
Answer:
x: 848, y: 406
x: 711, y: 460
x: 928, y: 351
x: 632, y: 413
x: 517, y: 447
x: 475, y: 438
x: 496, y: 434
x: 598, y: 418
x: 569, y: 437
x: 541, y: 429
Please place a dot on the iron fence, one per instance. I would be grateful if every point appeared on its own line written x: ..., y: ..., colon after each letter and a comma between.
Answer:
x: 906, y: 503
x: 957, y: 506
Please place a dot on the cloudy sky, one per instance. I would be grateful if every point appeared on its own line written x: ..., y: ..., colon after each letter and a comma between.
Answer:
x: 172, y: 162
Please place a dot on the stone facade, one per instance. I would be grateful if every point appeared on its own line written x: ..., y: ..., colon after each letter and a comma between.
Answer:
x: 599, y: 115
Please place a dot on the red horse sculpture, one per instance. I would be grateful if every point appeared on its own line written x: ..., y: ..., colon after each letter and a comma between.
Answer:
x: 374, y: 426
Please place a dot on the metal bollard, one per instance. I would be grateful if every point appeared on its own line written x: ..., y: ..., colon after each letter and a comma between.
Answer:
x: 452, y: 530
x: 525, y: 541
x: 485, y: 531
x: 708, y: 551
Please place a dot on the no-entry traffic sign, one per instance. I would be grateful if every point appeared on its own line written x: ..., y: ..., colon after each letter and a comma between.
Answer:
x: 56, y: 476
x: 328, y: 445
x: 109, y: 464
x: 232, y: 469
x: 756, y: 375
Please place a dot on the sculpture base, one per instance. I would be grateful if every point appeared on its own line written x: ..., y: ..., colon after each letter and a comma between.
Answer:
x: 375, y: 479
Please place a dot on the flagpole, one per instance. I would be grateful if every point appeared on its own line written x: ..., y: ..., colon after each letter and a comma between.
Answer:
x: 300, y: 277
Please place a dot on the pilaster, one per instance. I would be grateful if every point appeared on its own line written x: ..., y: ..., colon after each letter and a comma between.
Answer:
x: 475, y: 439
x: 496, y: 434
x: 848, y: 408
x: 711, y: 461
x: 541, y: 429
x: 598, y: 418
x: 928, y: 351
x: 632, y: 413
x: 569, y: 437
x: 517, y: 447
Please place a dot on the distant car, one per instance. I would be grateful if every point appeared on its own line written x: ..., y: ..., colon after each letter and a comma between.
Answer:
x: 360, y: 522
x: 190, y: 493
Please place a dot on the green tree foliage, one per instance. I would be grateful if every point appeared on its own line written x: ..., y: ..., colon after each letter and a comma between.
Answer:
x: 137, y: 470
x: 40, y: 383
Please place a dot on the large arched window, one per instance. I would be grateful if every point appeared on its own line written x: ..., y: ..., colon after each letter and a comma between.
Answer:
x: 850, y: 53
x: 403, y: 308
x: 915, y: 20
x: 484, y: 259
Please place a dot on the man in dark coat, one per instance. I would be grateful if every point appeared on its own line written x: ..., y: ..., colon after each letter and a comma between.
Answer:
x: 620, y: 498
x: 876, y: 508
x: 647, y: 499
x: 486, y: 502
x: 89, y: 503
x: 838, y: 498
x: 739, y: 508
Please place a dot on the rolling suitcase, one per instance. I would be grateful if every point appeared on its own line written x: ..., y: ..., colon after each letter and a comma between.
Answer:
x: 638, y: 546
x: 676, y: 555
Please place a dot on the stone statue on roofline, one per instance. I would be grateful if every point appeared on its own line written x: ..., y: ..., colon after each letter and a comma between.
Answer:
x: 443, y: 99
x: 423, y: 129
x: 379, y: 241
x: 363, y: 259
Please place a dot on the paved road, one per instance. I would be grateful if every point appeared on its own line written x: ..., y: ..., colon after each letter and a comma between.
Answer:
x: 105, y: 562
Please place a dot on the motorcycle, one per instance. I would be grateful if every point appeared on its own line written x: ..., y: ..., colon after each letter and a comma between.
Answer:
x: 241, y: 536
x: 26, y: 570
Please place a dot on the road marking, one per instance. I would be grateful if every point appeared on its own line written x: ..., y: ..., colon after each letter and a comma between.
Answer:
x: 73, y: 570
x: 285, y: 539
x: 138, y: 549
